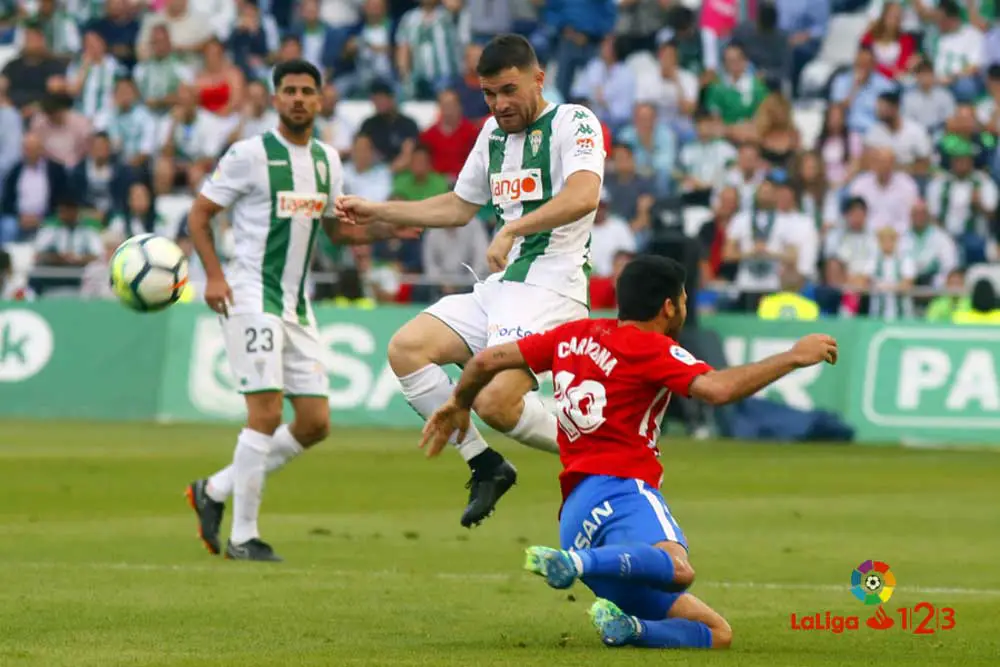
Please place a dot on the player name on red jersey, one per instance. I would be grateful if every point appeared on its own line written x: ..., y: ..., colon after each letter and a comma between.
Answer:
x: 588, y: 347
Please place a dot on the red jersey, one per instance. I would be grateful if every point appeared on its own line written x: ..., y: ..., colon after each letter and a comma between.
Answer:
x: 449, y: 151
x: 612, y: 387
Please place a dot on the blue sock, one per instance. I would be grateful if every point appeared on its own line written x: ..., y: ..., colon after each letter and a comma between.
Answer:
x: 639, y: 563
x: 673, y: 633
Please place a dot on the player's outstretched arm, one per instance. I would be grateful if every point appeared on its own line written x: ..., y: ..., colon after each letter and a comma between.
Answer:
x: 735, y: 384
x: 218, y: 295
x: 341, y: 234
x: 455, y: 414
x: 447, y: 210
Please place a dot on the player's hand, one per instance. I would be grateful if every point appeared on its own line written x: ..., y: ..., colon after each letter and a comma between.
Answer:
x: 496, y: 254
x: 218, y: 295
x: 448, y: 419
x: 355, y: 210
x: 407, y: 233
x: 813, y: 349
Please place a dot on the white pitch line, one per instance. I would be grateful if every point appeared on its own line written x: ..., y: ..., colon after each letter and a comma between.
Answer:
x: 270, y: 569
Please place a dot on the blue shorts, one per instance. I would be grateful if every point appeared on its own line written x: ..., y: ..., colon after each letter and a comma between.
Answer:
x: 606, y: 510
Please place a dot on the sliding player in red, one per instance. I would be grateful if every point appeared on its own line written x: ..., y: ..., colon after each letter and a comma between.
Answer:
x: 613, y: 381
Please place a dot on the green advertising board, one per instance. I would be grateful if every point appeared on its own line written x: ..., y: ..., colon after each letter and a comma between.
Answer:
x: 899, y: 382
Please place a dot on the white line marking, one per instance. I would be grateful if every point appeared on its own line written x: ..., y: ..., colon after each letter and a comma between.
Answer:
x: 272, y: 569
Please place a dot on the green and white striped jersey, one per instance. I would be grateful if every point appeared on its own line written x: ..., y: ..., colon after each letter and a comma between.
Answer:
x: 96, y: 99
x: 157, y: 79
x: 279, y: 192
x: 433, y: 40
x: 518, y: 173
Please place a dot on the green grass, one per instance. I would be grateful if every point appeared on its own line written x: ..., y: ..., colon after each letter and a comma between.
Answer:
x: 99, y: 564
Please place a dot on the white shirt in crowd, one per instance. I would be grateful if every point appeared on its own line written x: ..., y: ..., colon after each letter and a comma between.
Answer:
x: 80, y: 240
x: 889, y: 205
x: 608, y: 239
x: 949, y: 199
x: 958, y: 50
x: 779, y: 230
x: 855, y: 250
x: 668, y: 94
x: 933, y: 251
x: 887, y: 272
x: 909, y: 143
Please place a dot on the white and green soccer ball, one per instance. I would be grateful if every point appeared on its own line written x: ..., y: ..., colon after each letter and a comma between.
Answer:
x: 148, y: 272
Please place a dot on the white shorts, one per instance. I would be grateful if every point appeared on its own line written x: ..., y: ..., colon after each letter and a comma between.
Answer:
x: 267, y: 353
x: 499, y: 312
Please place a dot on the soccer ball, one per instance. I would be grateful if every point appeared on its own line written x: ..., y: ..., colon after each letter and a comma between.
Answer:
x: 148, y: 272
x: 873, y: 582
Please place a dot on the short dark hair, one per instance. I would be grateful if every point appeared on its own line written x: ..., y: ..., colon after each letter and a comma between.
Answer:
x: 950, y: 8
x: 645, y: 283
x: 101, y: 135
x: 984, y: 296
x: 421, y: 147
x: 504, y: 52
x: 924, y: 66
x: 993, y: 72
x: 855, y: 202
x: 124, y: 78
x: 296, y: 66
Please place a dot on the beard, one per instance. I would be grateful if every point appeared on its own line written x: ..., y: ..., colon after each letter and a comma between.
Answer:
x: 297, y: 127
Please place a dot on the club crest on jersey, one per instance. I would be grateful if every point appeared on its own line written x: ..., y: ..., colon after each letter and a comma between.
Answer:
x: 509, y: 187
x: 682, y: 355
x: 300, y: 205
x: 535, y: 140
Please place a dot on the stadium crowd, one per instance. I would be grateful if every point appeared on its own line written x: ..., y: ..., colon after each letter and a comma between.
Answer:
x: 114, y: 111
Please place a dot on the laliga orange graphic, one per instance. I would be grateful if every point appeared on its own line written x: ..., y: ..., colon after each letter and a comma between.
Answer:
x: 873, y: 583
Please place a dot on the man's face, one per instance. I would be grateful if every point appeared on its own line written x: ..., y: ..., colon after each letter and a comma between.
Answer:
x: 734, y: 62
x: 864, y: 61
x: 257, y: 94
x: 384, y: 103
x: 513, y: 97
x: 668, y: 58
x: 160, y: 42
x: 729, y: 202
x: 125, y: 95
x: 32, y: 148
x: 748, y: 158
x: 856, y: 219
x: 962, y: 166
x: 644, y: 118
x: 374, y: 9
x: 330, y: 99
x: 309, y: 11
x: 34, y: 43
x: 451, y: 107
x: 919, y: 218
x: 925, y: 79
x: 766, y: 195
x: 885, y: 111
x: 420, y: 164
x: 362, y: 153
x: 624, y: 160
x: 187, y: 98
x: 290, y: 50
x: 100, y: 149
x: 177, y: 7
x: 297, y: 101
x: 785, y: 198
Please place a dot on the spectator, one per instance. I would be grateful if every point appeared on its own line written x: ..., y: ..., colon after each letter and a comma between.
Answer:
x: 188, y: 146
x: 959, y: 53
x: 220, y: 85
x: 988, y: 109
x: 11, y: 137
x: 449, y: 252
x: 139, y: 215
x: 393, y: 132
x: 99, y: 182
x: 581, y: 25
x: 638, y: 21
x: 253, y: 40
x: 12, y: 288
x: 914, y: 14
x: 697, y: 47
x: 94, y: 283
x: 65, y: 131
x: 747, y: 175
x: 120, y: 30
x: 256, y: 117
x: 895, y: 51
x: 805, y: 22
x: 334, y: 127
x: 928, y: 103
x: 426, y: 50
x: 132, y: 128
x: 28, y: 75
x: 705, y: 162
x: 30, y: 192
x: 800, y: 229
x: 840, y: 148
x: 653, y: 144
x: 62, y: 35
x: 712, y: 239
x: 907, y: 138
x: 628, y: 191
x: 932, y: 249
x: 775, y: 130
x: 451, y: 138
x: 379, y: 281
x: 888, y: 277
x: 674, y: 93
x: 737, y: 93
x: 943, y: 307
x: 889, y: 192
x: 964, y: 200
x: 91, y: 80
x: 982, y: 305
x: 610, y: 235
x: 467, y: 86
x: 486, y: 19
x: 188, y: 29
x: 160, y: 75
x: 991, y: 46
x: 608, y: 83
x: 764, y: 237
x: 858, y: 89
x: 850, y: 247
x: 820, y: 202
x: 963, y: 125
x: 322, y: 44
x: 765, y: 44
x: 364, y: 175
x: 369, y: 50
x: 603, y: 290
x: 67, y: 242
x: 420, y: 181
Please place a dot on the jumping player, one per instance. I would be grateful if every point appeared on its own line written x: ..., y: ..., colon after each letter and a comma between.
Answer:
x: 613, y: 381
x: 281, y: 186
x: 540, y: 167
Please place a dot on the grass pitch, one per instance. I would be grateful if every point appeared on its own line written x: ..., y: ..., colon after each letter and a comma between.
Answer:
x: 99, y: 564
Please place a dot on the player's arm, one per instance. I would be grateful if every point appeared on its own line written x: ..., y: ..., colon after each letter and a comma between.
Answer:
x: 735, y: 384
x: 341, y: 234
x: 446, y: 210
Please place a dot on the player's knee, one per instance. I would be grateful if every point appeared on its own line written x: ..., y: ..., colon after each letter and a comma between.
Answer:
x: 497, y: 407
x: 683, y: 572
x: 314, y: 431
x: 722, y: 633
x: 406, y: 352
x: 264, y: 421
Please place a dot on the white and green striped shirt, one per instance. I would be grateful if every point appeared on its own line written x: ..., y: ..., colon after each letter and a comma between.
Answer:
x: 949, y: 200
x: 518, y: 173
x: 433, y: 41
x: 708, y: 161
x: 133, y: 132
x: 62, y: 35
x: 157, y: 79
x: 279, y: 192
x: 96, y: 99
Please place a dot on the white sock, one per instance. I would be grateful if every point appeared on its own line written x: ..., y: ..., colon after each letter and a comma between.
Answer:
x: 249, y: 464
x: 427, y: 390
x: 537, y: 426
x: 284, y: 448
